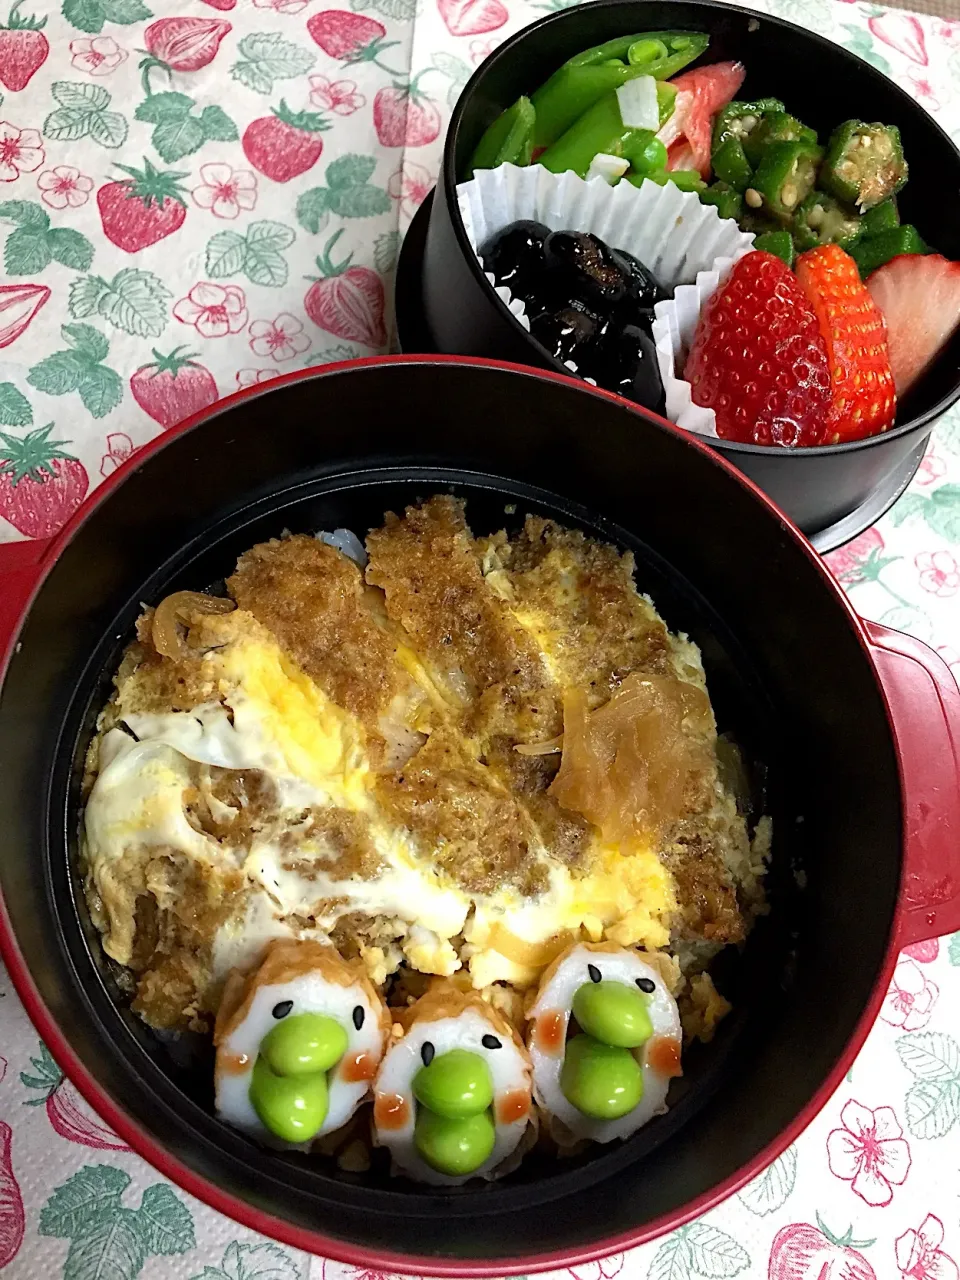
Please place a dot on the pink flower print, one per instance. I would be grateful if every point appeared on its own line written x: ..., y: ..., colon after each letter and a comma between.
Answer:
x: 281, y: 339
x: 98, y: 57
x: 225, y: 190
x: 848, y: 563
x: 870, y: 1151
x: 919, y: 1255
x: 282, y: 6
x: 911, y: 997
x: 338, y: 96
x: 923, y: 89
x: 481, y: 49
x: 253, y: 377
x: 64, y: 187
x: 410, y: 186
x: 21, y: 151
x: 939, y: 573
x: 214, y: 310
x: 925, y: 952
x: 602, y: 1269
x: 931, y: 469
x: 119, y: 449
x: 949, y: 32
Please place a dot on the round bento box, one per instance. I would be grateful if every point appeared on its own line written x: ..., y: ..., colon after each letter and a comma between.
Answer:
x: 446, y: 304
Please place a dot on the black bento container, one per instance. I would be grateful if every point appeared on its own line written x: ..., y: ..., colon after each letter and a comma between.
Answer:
x: 820, y: 82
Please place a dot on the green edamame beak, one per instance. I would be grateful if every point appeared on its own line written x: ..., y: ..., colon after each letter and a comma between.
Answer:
x: 614, y: 1013
x: 455, y: 1085
x: 305, y: 1043
x: 454, y: 1147
x: 602, y: 1081
x: 288, y: 1087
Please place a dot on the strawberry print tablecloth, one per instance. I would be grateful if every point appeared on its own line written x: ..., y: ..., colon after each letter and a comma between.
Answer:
x: 277, y: 150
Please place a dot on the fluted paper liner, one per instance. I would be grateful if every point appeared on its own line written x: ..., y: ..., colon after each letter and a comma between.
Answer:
x: 686, y: 244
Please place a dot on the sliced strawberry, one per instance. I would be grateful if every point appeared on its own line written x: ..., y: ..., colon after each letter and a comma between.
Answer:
x: 712, y: 88
x: 863, y: 399
x: 919, y: 297
x: 758, y: 359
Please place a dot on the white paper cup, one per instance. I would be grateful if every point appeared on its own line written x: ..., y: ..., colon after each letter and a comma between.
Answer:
x: 686, y: 244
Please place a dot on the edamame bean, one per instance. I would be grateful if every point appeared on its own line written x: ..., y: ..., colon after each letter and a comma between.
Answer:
x: 454, y: 1147
x: 601, y: 1080
x: 303, y: 1044
x: 291, y: 1107
x: 614, y: 1013
x: 455, y: 1084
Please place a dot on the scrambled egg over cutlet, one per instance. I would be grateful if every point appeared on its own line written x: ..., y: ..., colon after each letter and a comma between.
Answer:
x: 371, y: 756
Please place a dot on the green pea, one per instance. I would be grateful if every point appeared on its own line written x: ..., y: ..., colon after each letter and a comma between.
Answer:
x: 303, y: 1044
x: 455, y: 1084
x: 600, y: 1080
x: 454, y: 1147
x: 614, y: 1013
x: 291, y: 1107
x: 642, y: 52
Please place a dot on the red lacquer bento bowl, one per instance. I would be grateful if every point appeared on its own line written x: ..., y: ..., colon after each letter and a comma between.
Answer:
x: 852, y: 731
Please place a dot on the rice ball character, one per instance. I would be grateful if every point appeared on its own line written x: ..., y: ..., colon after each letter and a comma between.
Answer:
x: 299, y: 1041
x: 452, y: 1100
x: 612, y: 1076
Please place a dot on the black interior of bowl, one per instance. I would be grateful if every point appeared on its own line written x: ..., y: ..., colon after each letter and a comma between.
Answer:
x: 787, y: 677
x: 817, y: 80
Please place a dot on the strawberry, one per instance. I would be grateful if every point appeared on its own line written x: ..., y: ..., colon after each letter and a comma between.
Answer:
x: 710, y: 88
x: 181, y: 44
x: 142, y: 209
x: 23, y: 49
x: 285, y: 144
x: 346, y: 301
x: 19, y: 304
x: 919, y: 298
x: 173, y: 388
x: 40, y: 485
x: 863, y: 400
x: 404, y: 116
x: 472, y: 17
x: 350, y: 37
x: 758, y: 358
x: 221, y: 4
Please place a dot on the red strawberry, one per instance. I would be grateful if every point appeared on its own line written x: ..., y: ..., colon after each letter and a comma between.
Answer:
x: 802, y: 1252
x: 142, y: 209
x: 403, y: 116
x: 40, y: 485
x: 184, y: 44
x: 711, y: 88
x: 346, y: 301
x: 919, y: 297
x: 19, y: 303
x: 285, y: 144
x: 12, y: 1219
x: 863, y: 398
x: 23, y: 49
x: 925, y: 952
x: 472, y: 17
x: 173, y: 388
x: 221, y: 4
x: 351, y: 37
x: 758, y: 358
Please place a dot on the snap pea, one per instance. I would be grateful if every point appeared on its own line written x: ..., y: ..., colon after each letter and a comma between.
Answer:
x: 613, y: 1013
x: 305, y: 1043
x: 293, y: 1108
x: 509, y: 140
x: 600, y: 1080
x: 685, y: 179
x: 456, y: 1084
x: 645, y: 152
x: 454, y: 1147
x: 681, y: 46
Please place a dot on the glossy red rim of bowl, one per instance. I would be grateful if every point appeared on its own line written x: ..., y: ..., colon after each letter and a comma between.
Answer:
x: 316, y: 1242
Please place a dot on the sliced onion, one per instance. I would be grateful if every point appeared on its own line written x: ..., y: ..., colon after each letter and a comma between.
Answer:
x: 534, y: 955
x: 639, y: 108
x: 171, y: 611
x: 549, y: 748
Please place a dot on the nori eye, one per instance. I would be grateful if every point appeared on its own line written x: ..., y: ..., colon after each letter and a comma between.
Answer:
x: 426, y: 1052
x: 647, y: 986
x: 358, y: 1016
x: 594, y: 972
x: 282, y: 1009
x: 491, y: 1042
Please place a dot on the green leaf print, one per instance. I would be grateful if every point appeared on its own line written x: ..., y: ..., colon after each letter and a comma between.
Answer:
x: 34, y: 244
x: 348, y: 193
x: 83, y: 113
x: 930, y: 1055
x: 773, y: 1188
x: 94, y: 1189
x: 110, y: 1248
x: 351, y: 170
x: 217, y: 125
x: 47, y: 1078
x: 385, y: 250
x: 178, y: 131
x: 134, y: 301
x: 698, y: 1251
x: 397, y: 10
x: 253, y: 1262
x: 166, y: 1222
x: 940, y: 512
x: 258, y: 255
x: 90, y: 15
x: 953, y: 950
x: 457, y: 72
x: 860, y: 42
x: 266, y: 58
x: 933, y: 1101
x: 80, y: 369
x: 15, y: 408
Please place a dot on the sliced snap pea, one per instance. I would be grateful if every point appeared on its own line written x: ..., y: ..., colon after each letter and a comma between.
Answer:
x: 303, y: 1044
x: 456, y: 1084
x: 642, y: 52
x: 454, y: 1147
x: 613, y: 1013
x: 293, y: 1108
x: 601, y: 1081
